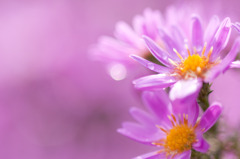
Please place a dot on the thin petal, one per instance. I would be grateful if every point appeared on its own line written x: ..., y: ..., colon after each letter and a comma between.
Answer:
x: 142, y: 117
x: 148, y: 24
x: 157, y: 52
x: 138, y: 24
x: 158, y: 102
x: 177, y: 33
x: 210, y: 116
x: 201, y: 145
x: 140, y: 133
x: 236, y: 26
x: 235, y: 64
x: 189, y: 108
x: 150, y: 65
x: 229, y: 58
x: 193, y: 113
x: 152, y: 155
x: 225, y: 64
x: 184, y: 155
x: 154, y: 82
x: 112, y: 47
x: 211, y: 31
x: 197, y: 33
x: 170, y: 45
x: 125, y: 33
x: 221, y: 37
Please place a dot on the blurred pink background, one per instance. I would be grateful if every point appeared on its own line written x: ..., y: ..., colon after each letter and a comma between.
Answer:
x: 56, y: 103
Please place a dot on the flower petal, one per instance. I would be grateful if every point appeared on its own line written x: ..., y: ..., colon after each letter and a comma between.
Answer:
x: 184, y: 155
x: 201, y: 145
x: 158, y: 102
x: 236, y: 26
x: 235, y: 64
x: 152, y: 155
x: 189, y: 108
x: 221, y: 37
x: 193, y: 113
x: 225, y: 64
x: 197, y: 34
x: 210, y: 117
x: 142, y: 117
x: 140, y: 133
x: 154, y: 82
x: 157, y: 52
x: 185, y: 89
x: 180, y: 39
x: 110, y: 49
x: 170, y: 44
x: 125, y: 33
x: 150, y: 65
x: 210, y: 32
x: 148, y: 24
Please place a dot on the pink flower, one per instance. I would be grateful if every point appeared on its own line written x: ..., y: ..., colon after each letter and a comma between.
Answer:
x: 172, y: 126
x: 115, y: 51
x: 198, y: 57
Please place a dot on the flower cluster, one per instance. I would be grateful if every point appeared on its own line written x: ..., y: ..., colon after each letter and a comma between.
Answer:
x: 186, y: 59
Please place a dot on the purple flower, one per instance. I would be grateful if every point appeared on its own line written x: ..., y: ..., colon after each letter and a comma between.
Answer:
x: 115, y: 51
x: 174, y: 127
x: 186, y: 58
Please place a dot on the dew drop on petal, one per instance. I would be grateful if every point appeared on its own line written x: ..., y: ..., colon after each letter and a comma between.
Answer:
x: 150, y: 66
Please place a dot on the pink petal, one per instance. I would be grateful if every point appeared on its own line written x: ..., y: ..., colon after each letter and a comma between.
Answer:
x: 210, y: 32
x: 177, y: 33
x: 225, y: 64
x: 184, y: 155
x: 159, y: 104
x: 125, y: 33
x: 157, y: 52
x: 197, y: 33
x: 221, y: 37
x: 170, y: 44
x: 150, y: 65
x: 235, y: 64
x: 236, y: 26
x: 154, y: 82
x: 185, y: 89
x: 140, y: 133
x: 152, y: 155
x: 143, y: 117
x: 210, y: 116
x: 201, y: 145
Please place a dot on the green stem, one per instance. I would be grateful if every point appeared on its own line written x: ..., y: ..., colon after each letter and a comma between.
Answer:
x: 217, y: 146
x: 203, y: 96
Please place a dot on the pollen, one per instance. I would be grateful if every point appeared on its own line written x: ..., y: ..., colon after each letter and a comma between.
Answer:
x: 195, y: 65
x: 179, y: 138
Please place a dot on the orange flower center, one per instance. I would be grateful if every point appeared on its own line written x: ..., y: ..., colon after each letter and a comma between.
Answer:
x: 179, y: 138
x: 194, y: 65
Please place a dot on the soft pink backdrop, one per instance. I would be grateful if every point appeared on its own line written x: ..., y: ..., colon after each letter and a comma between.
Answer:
x: 55, y: 103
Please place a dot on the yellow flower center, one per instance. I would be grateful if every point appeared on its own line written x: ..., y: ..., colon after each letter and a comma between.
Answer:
x: 194, y: 65
x: 179, y: 138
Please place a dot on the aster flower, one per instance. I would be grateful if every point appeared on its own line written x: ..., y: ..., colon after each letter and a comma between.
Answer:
x: 173, y: 127
x: 115, y: 51
x: 186, y: 58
